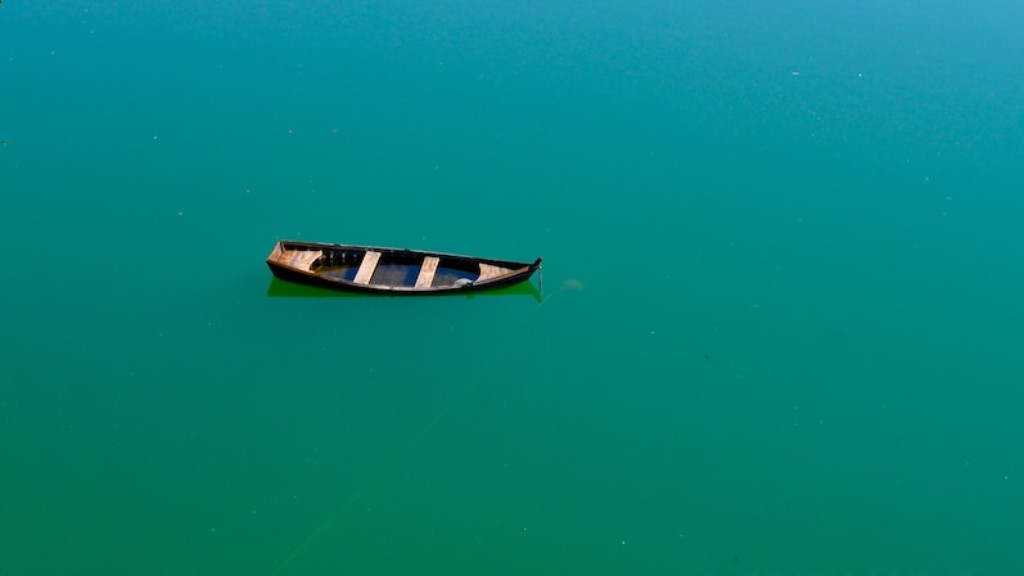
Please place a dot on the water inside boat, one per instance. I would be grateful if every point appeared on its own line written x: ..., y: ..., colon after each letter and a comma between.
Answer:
x: 396, y: 269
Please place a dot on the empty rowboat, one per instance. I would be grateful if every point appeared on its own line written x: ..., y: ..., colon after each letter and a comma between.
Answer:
x: 391, y: 270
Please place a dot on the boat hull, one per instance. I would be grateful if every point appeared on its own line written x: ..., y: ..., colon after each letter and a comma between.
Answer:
x: 393, y: 271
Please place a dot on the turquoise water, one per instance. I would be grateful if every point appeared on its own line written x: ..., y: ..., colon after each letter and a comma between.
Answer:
x: 780, y: 330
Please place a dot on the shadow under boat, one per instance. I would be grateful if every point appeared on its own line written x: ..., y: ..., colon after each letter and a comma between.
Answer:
x: 283, y: 289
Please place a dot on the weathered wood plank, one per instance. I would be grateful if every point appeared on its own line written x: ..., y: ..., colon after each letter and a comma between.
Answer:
x: 490, y: 272
x: 300, y: 259
x: 368, y: 266
x: 427, y: 272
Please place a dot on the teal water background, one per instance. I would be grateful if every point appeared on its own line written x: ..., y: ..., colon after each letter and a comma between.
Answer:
x: 781, y: 321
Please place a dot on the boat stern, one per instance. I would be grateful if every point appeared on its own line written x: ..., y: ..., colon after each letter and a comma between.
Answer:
x: 275, y: 254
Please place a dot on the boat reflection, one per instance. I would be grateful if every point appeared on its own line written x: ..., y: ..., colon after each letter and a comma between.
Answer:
x: 283, y: 289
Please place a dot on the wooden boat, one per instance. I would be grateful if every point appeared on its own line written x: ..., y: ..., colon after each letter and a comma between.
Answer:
x: 391, y: 270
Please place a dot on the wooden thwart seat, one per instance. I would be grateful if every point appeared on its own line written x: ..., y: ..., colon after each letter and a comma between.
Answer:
x: 368, y: 266
x: 427, y: 272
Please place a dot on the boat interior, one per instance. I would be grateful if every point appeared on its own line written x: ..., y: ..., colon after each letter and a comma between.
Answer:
x: 388, y: 269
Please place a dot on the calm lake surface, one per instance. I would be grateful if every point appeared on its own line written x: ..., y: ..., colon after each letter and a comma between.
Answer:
x: 781, y: 328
